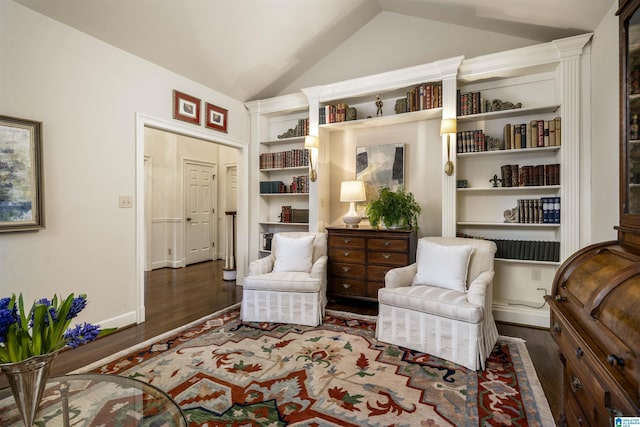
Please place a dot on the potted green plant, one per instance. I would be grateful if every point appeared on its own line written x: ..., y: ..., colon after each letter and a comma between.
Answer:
x: 395, y: 209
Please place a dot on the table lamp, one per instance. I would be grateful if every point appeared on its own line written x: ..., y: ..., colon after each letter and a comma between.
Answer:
x: 352, y: 192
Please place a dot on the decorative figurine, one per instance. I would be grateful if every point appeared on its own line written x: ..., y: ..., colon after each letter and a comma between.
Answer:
x: 495, y: 180
x: 352, y: 113
x: 511, y: 215
x: 379, y: 106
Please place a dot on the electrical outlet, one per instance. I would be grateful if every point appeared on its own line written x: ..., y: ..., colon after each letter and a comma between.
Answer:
x: 125, y: 201
x: 535, y: 274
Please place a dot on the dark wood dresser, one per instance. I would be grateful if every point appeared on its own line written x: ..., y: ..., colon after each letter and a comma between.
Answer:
x: 359, y: 258
x: 595, y: 320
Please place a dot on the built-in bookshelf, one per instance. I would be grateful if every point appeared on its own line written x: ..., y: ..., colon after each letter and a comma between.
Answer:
x: 281, y: 174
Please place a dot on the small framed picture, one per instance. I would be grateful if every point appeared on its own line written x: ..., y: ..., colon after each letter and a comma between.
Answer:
x: 186, y: 107
x: 216, y: 117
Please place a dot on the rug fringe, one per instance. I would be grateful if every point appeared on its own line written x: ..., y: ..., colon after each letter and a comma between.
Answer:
x: 146, y: 343
x: 351, y: 315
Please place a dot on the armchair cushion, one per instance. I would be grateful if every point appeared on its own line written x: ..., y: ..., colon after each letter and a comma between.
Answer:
x: 442, y: 266
x: 293, y: 253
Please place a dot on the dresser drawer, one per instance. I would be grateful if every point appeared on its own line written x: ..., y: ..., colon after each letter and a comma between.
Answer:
x: 396, y: 245
x: 338, y: 241
x: 591, y: 412
x: 346, y: 286
x: 347, y: 255
x: 377, y: 272
x: 372, y: 289
x: 344, y: 269
x: 389, y: 258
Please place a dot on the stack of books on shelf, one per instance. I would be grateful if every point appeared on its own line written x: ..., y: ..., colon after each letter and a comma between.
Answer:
x: 267, y: 238
x: 528, y: 250
x: 545, y: 210
x: 526, y: 176
x: 290, y: 215
x: 333, y: 113
x: 536, y: 133
x: 285, y: 159
x: 299, y: 184
x: 422, y: 97
x: 470, y: 103
x: 473, y: 141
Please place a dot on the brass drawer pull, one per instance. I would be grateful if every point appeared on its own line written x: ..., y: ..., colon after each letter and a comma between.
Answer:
x: 387, y: 242
x: 576, y: 384
x: 386, y: 256
x: 556, y: 328
x: 346, y: 285
x: 346, y: 253
x: 579, y: 353
x: 345, y: 269
x: 346, y: 240
x: 560, y: 298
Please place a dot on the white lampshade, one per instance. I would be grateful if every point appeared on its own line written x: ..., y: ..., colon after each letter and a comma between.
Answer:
x: 352, y: 192
x: 311, y: 141
x: 448, y: 126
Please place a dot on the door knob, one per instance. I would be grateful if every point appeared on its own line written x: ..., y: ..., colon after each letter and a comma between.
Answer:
x: 188, y: 218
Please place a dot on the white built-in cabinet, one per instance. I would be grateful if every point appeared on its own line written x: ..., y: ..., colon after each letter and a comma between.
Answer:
x: 547, y: 79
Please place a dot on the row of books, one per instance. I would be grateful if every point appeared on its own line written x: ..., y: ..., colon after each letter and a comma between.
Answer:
x: 299, y: 184
x: 290, y: 215
x: 473, y: 141
x: 529, y: 250
x: 285, y: 159
x: 545, y: 210
x: 334, y: 114
x: 422, y: 97
x: 526, y: 176
x: 536, y: 133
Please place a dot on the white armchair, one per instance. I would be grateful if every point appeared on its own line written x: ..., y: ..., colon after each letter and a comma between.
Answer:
x: 289, y: 285
x: 441, y: 305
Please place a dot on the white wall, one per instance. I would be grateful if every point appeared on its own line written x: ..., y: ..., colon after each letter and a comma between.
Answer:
x: 87, y: 94
x: 391, y: 41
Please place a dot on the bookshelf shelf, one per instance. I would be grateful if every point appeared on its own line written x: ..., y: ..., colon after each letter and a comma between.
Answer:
x: 515, y: 112
x: 295, y: 168
x: 515, y: 152
x: 284, y: 194
x: 525, y: 189
x: 292, y: 224
x: 527, y: 261
x: 282, y: 141
x: 432, y: 113
x: 505, y: 224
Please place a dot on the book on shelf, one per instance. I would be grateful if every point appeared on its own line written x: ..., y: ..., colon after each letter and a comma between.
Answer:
x: 267, y: 238
x: 536, y: 133
x: 290, y: 215
x: 545, y: 210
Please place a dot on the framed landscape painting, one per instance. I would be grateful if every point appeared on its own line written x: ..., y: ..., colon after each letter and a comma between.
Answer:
x: 21, y: 187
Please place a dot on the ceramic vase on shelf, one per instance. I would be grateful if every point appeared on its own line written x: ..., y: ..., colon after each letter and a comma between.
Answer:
x: 27, y: 380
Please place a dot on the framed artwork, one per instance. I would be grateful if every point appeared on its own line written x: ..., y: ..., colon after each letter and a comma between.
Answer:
x: 216, y: 117
x: 380, y: 166
x: 21, y: 187
x: 186, y: 107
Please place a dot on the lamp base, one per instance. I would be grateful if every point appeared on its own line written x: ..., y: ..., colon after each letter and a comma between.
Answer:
x: 351, y: 221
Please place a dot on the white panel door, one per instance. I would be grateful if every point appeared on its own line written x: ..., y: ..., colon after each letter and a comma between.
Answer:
x: 199, y: 211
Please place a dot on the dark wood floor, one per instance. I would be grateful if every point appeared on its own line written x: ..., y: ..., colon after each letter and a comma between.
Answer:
x: 174, y: 297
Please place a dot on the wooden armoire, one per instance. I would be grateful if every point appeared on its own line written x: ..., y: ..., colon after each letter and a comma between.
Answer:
x: 595, y: 299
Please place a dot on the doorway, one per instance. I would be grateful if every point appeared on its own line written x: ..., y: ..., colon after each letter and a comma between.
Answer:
x: 173, y: 218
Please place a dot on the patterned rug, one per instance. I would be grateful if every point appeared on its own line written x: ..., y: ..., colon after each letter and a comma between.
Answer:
x: 223, y: 372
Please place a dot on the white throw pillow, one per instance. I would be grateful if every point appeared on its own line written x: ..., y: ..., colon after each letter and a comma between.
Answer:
x: 442, y: 266
x: 293, y: 253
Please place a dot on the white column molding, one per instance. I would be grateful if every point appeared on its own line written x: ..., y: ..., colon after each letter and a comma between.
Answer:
x: 316, y: 218
x: 449, y: 212
x: 570, y: 50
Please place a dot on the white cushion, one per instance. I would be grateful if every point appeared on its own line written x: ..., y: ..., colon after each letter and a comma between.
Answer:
x: 293, y: 254
x: 442, y: 266
x: 289, y: 281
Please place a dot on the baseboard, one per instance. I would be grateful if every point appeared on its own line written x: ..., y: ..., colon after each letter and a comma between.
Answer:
x: 521, y: 315
x: 120, y: 321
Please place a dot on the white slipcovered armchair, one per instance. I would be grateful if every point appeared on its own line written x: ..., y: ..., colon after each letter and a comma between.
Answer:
x: 441, y: 304
x: 289, y: 285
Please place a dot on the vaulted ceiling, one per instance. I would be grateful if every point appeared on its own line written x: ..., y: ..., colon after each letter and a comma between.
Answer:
x: 251, y: 49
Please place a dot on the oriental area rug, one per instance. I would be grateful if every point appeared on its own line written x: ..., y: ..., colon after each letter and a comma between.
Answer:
x: 223, y: 372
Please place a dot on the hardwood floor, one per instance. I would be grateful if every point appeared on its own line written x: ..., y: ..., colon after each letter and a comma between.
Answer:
x: 174, y: 297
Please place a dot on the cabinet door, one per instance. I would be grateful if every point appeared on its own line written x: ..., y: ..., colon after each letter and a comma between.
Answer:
x: 630, y: 116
